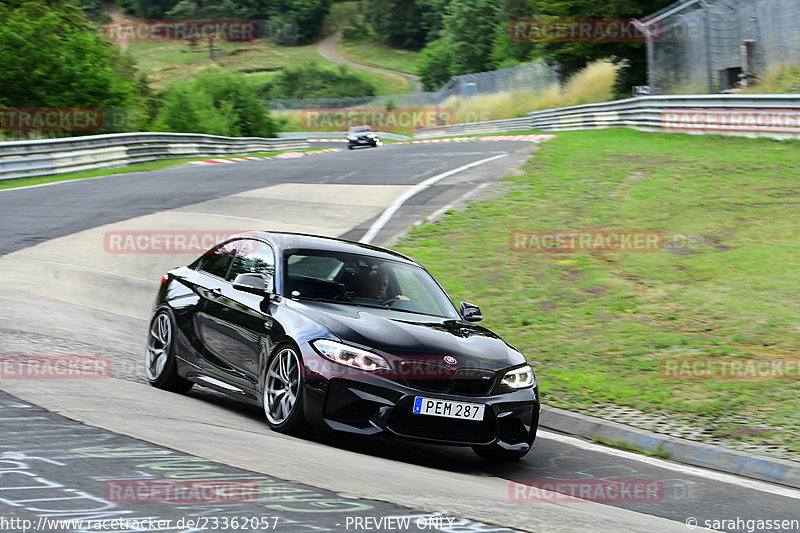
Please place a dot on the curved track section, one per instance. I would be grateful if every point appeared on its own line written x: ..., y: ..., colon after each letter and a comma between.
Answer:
x: 68, y: 287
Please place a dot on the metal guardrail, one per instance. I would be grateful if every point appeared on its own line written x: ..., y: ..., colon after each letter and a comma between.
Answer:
x: 55, y: 156
x: 472, y: 128
x: 774, y: 115
x: 331, y: 135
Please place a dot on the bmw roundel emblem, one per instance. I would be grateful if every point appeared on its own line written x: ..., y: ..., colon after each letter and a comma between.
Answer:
x: 450, y: 360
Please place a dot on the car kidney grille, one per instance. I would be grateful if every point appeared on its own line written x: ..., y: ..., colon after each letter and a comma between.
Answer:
x: 426, y: 376
x: 473, y: 382
x: 437, y: 378
x: 432, y: 385
x: 403, y: 422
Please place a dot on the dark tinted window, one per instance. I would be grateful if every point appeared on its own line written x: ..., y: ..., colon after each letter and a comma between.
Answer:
x: 218, y: 260
x: 255, y: 257
x: 351, y: 279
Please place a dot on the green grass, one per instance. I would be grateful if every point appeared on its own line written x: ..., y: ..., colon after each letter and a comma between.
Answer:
x: 138, y: 167
x: 784, y: 79
x: 595, y: 326
x: 167, y: 63
x: 378, y: 55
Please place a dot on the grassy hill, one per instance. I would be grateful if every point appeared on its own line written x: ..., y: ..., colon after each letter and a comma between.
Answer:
x: 166, y: 63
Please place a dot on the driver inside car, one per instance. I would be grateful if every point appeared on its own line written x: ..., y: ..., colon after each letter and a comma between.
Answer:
x: 374, y: 284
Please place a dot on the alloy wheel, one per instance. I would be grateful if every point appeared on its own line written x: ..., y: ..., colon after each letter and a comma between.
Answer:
x: 282, y: 386
x: 158, y: 346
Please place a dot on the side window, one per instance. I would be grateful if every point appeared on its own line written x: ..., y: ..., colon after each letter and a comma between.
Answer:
x: 256, y: 257
x: 218, y: 260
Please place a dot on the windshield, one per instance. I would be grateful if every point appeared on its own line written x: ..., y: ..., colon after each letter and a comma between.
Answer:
x: 352, y: 279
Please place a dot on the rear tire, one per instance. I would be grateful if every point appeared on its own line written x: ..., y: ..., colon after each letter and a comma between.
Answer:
x: 283, y: 392
x: 160, y: 362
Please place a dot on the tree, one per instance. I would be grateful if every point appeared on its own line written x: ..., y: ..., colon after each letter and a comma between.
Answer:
x: 469, y: 31
x: 396, y: 22
x: 465, y: 45
x: 199, y: 9
x: 433, y: 65
x: 149, y: 9
x: 305, y: 15
x: 573, y: 56
x: 52, y: 58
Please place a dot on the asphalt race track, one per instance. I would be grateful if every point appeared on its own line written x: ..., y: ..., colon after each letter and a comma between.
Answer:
x: 65, y: 289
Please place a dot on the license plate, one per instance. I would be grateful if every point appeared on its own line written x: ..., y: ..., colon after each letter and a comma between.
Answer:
x: 448, y: 409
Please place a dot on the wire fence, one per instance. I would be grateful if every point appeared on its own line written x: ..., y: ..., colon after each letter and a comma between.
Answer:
x: 711, y: 46
x: 530, y: 77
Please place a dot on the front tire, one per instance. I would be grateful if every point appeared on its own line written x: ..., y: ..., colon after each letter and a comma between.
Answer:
x: 160, y: 362
x: 283, y: 392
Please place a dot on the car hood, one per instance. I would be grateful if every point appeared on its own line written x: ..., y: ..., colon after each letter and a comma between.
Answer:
x: 411, y: 336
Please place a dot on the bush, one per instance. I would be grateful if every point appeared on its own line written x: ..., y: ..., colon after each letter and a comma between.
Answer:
x: 310, y: 81
x: 215, y: 103
x: 433, y: 65
x: 356, y: 30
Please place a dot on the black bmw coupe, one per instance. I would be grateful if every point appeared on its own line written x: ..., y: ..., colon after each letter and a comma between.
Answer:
x: 362, y: 136
x: 326, y: 333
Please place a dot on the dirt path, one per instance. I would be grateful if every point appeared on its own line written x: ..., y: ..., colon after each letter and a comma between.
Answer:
x: 327, y: 49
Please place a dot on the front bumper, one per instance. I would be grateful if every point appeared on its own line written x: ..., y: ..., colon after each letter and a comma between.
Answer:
x: 373, y: 405
x: 363, y: 141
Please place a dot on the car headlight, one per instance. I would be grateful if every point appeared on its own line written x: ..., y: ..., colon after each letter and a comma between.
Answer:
x: 520, y: 377
x: 351, y: 138
x: 349, y: 355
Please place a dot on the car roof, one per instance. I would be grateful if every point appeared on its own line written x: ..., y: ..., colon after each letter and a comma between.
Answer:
x: 361, y: 128
x: 285, y: 240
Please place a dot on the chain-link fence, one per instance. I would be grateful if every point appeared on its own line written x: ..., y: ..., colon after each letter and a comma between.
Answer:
x: 710, y: 46
x: 530, y: 77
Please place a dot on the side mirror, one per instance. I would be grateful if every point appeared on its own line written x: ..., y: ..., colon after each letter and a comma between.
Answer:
x: 252, y: 283
x: 470, y: 312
